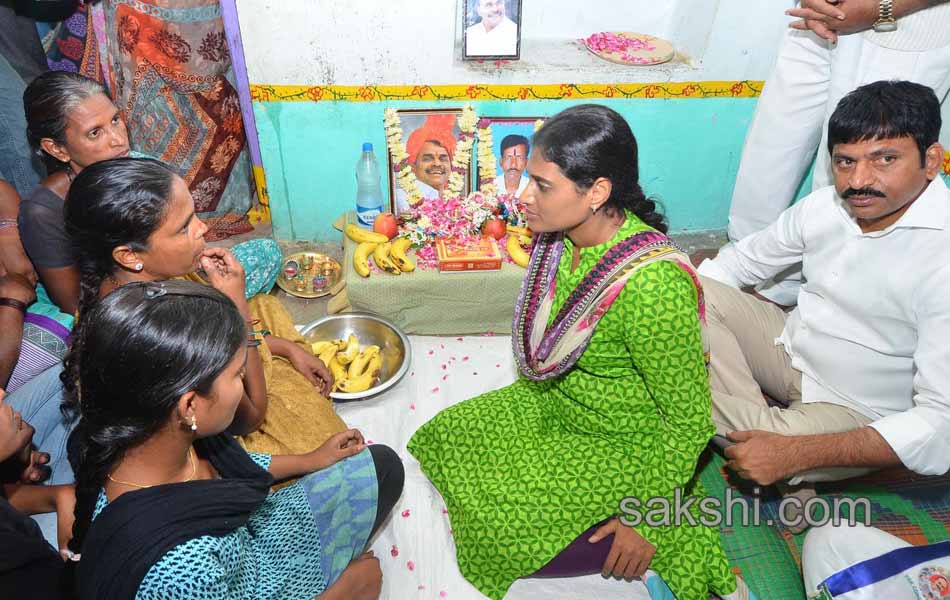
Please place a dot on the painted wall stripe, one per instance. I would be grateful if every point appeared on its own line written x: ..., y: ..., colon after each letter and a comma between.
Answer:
x: 561, y: 91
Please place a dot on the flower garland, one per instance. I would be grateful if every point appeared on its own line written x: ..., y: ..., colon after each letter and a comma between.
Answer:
x: 463, y: 152
x: 403, y: 170
x: 401, y: 167
x: 486, y: 158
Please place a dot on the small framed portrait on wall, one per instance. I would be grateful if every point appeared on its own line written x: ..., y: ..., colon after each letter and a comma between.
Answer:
x: 430, y: 137
x: 511, y: 145
x: 492, y: 30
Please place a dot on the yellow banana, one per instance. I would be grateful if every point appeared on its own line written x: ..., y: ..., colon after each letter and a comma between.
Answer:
x: 358, y: 366
x: 338, y: 371
x: 397, y: 253
x: 518, y: 230
x: 516, y: 252
x: 359, y: 384
x: 374, y: 364
x: 327, y: 354
x: 351, y: 352
x: 319, y: 347
x: 361, y: 258
x: 381, y: 258
x: 360, y: 235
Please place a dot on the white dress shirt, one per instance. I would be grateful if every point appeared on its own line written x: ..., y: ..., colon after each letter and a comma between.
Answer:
x: 872, y: 328
x: 503, y: 189
x: 502, y: 40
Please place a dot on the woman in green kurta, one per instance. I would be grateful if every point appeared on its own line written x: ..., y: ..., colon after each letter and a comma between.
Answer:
x: 597, y: 415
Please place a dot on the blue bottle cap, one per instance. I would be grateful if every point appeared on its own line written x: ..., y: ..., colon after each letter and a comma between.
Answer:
x: 367, y: 147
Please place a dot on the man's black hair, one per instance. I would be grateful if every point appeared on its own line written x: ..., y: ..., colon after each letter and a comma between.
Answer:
x: 512, y: 140
x: 887, y: 109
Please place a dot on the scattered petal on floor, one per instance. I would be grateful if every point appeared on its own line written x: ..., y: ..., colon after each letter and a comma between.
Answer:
x: 405, y: 513
x: 443, y: 594
x: 431, y: 352
x: 394, y: 551
x: 435, y: 390
x: 412, y: 406
x: 411, y: 565
x: 444, y: 377
x: 464, y: 358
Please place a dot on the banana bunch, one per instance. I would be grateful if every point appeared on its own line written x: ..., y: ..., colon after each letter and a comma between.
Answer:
x: 353, y: 369
x: 516, y: 250
x: 388, y: 256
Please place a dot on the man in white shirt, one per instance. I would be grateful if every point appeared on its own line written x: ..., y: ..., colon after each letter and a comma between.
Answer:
x: 820, y: 60
x: 494, y: 34
x: 863, y: 362
x: 514, y: 158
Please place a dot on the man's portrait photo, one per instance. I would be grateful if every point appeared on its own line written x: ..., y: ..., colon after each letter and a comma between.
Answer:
x: 430, y: 137
x: 511, y: 145
x: 492, y: 29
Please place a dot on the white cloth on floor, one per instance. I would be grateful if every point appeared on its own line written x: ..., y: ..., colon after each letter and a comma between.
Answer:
x: 415, y: 547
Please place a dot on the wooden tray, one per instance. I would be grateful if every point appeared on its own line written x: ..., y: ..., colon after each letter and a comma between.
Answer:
x: 662, y: 51
x: 309, y: 274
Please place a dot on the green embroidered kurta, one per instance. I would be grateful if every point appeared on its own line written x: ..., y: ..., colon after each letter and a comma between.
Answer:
x: 527, y: 468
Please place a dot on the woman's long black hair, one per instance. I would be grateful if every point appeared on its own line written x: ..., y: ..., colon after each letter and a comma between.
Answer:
x: 142, y: 347
x: 592, y: 141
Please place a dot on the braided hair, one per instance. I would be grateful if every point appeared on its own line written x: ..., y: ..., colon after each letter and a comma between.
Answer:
x: 143, y: 346
x: 592, y: 141
x: 121, y: 201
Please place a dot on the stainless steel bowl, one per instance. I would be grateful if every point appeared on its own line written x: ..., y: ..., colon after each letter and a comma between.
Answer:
x: 371, y: 330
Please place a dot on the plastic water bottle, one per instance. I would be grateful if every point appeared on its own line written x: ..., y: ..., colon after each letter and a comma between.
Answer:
x: 369, y: 198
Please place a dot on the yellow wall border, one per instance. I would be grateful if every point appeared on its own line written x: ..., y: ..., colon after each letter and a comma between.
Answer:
x: 562, y: 91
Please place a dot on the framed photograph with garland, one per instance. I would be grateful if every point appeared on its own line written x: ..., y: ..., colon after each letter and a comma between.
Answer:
x: 431, y: 139
x: 509, y: 139
x: 454, y: 214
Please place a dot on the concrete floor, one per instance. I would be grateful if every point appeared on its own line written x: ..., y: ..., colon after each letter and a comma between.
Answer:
x: 699, y: 245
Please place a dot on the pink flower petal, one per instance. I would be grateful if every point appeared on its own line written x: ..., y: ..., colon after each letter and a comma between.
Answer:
x: 497, y: 365
x: 442, y: 346
x: 411, y: 565
x: 443, y: 366
x: 443, y: 594
x: 435, y: 390
x: 431, y: 352
x: 412, y: 406
x: 445, y: 511
x: 444, y: 377
x: 405, y: 513
x: 459, y: 339
x: 421, y: 587
x: 464, y: 359
x: 394, y: 551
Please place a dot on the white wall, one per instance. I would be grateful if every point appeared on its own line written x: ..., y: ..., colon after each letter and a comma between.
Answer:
x: 406, y: 42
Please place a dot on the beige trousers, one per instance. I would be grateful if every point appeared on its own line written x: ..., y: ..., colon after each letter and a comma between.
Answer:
x: 745, y: 362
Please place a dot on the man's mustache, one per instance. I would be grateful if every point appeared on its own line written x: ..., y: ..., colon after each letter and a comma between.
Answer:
x: 848, y: 193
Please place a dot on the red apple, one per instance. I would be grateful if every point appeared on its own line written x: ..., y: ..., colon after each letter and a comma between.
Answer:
x: 495, y: 228
x: 385, y: 224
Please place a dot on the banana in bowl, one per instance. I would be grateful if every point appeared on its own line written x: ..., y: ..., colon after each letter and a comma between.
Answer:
x: 366, y: 353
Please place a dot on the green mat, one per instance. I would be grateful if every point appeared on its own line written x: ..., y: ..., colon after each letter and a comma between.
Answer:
x: 768, y: 556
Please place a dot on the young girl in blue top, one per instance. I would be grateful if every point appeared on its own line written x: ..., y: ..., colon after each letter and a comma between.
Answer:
x: 167, y: 505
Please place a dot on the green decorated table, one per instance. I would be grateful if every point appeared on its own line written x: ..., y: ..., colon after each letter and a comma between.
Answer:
x: 427, y: 302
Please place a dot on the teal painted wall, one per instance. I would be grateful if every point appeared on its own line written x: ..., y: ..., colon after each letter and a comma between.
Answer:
x: 689, y: 154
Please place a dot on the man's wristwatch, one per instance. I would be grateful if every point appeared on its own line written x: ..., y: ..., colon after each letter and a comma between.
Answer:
x: 885, y: 18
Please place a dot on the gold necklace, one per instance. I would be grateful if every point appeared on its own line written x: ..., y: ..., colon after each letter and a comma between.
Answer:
x: 194, y: 471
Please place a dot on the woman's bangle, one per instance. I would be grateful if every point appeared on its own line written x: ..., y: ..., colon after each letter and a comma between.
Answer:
x: 14, y: 303
x: 8, y: 223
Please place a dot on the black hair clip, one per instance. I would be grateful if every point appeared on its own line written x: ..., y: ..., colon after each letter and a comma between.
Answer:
x: 155, y: 290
